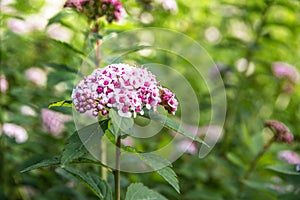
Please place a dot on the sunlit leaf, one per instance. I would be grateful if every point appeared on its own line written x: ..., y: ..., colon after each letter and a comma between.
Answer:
x: 64, y: 103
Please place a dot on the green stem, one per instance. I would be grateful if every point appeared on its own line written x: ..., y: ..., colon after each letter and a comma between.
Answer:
x: 103, y: 160
x: 117, y: 170
x: 2, y: 160
x: 253, y: 164
x: 232, y: 114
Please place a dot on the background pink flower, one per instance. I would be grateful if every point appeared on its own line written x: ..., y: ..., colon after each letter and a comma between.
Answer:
x: 36, y: 75
x: 54, y: 121
x: 289, y: 157
x: 3, y: 84
x: 15, y: 131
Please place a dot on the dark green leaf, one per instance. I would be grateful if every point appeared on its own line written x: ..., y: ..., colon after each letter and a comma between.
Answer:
x: 44, y: 163
x: 87, y: 136
x: 137, y: 191
x: 171, y: 124
x: 284, y: 168
x: 55, y: 77
x: 62, y: 67
x: 95, y: 183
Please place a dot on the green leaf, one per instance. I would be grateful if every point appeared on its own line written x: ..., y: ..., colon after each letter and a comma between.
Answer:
x: 289, y: 169
x: 87, y: 136
x: 62, y: 67
x: 56, y: 77
x: 44, y: 163
x: 69, y: 47
x: 235, y: 159
x: 95, y: 183
x: 170, y: 176
x: 162, y: 167
x: 64, y: 103
x: 58, y: 17
x: 137, y: 191
x: 171, y: 124
x: 119, y: 125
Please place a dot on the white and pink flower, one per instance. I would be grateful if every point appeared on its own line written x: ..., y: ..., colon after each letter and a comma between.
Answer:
x: 54, y: 121
x: 3, y: 84
x: 15, y: 131
x: 127, y: 89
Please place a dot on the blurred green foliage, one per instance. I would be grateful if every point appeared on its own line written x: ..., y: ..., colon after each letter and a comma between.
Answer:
x: 232, y: 31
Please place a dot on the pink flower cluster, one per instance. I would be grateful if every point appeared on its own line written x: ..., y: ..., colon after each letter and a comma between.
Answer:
x: 282, y: 132
x: 127, y: 89
x: 284, y: 70
x: 94, y: 9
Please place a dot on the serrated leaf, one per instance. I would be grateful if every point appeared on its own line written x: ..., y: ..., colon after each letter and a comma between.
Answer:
x: 137, y: 191
x: 289, y: 169
x: 162, y: 167
x: 170, y: 176
x: 87, y: 136
x: 44, y: 163
x: 95, y: 183
x: 171, y: 124
x: 64, y: 103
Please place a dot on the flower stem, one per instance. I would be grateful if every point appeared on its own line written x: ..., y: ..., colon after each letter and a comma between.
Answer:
x: 254, y: 163
x: 117, y: 170
x: 103, y: 160
x: 98, y: 57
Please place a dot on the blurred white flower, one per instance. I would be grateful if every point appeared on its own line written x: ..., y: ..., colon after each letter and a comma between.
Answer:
x: 26, y: 110
x: 170, y: 5
x: 36, y: 75
x: 3, y: 84
x: 212, y: 34
x: 5, y: 6
x: 59, y: 32
x: 15, y: 131
x: 54, y: 121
